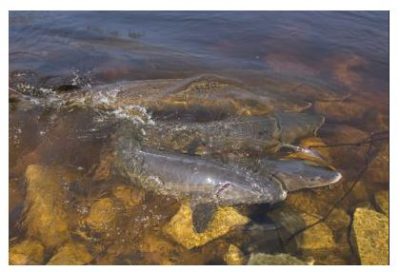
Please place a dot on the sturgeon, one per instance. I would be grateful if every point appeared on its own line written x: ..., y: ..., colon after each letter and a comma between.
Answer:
x: 205, y: 182
x: 261, y: 134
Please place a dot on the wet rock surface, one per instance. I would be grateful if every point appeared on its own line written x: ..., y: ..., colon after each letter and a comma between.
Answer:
x: 46, y: 217
x: 317, y: 237
x: 71, y: 253
x: 278, y: 259
x: 180, y: 228
x: 370, y: 236
x: 27, y: 252
x: 234, y: 256
x: 378, y: 170
x: 102, y: 215
x: 129, y: 196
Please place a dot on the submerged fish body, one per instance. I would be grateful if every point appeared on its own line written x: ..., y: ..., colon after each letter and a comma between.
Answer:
x: 262, y: 134
x: 207, y: 182
x: 206, y: 94
x: 200, y: 180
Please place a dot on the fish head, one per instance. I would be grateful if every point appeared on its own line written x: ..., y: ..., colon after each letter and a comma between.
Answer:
x: 302, y: 174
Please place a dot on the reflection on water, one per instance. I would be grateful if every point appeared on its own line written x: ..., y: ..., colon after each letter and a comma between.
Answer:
x: 77, y: 100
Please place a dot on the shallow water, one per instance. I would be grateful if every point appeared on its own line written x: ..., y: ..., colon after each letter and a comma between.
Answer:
x: 61, y: 173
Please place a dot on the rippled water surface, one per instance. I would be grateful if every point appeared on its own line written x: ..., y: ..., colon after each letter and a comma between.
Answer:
x: 80, y: 80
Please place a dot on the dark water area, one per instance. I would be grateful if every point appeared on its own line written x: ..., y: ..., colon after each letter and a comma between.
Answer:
x: 167, y: 71
x: 147, y: 45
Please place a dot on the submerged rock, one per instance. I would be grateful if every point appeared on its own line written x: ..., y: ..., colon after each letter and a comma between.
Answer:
x: 46, y: 218
x: 71, y: 254
x: 278, y: 259
x: 129, y: 196
x: 316, y: 237
x: 181, y: 229
x: 27, y: 252
x: 345, y: 148
x: 378, y: 170
x: 157, y: 250
x: 382, y: 201
x: 102, y: 215
x: 338, y: 219
x: 233, y: 256
x: 104, y: 169
x: 370, y: 236
x: 305, y: 202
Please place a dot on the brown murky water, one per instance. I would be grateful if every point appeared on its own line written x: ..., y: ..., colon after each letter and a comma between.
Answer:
x: 69, y: 204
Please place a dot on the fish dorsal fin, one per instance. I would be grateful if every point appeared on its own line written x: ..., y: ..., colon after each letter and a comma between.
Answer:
x: 202, y: 213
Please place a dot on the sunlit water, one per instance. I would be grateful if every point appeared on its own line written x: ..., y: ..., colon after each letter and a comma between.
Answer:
x: 62, y: 157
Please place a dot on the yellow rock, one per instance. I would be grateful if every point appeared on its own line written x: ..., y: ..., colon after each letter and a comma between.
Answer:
x: 317, y: 237
x: 71, y: 254
x: 129, y: 196
x: 233, y: 256
x: 382, y: 201
x: 46, y: 218
x: 102, y: 215
x: 278, y: 259
x: 180, y: 228
x: 370, y: 234
x: 27, y: 252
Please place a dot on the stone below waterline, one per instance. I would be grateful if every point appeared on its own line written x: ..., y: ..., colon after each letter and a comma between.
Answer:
x: 278, y: 259
x: 102, y: 215
x: 378, y: 170
x: 312, y: 204
x: 157, y: 250
x: 46, y: 218
x: 233, y: 256
x: 316, y: 237
x: 343, y: 141
x: 27, y: 252
x: 71, y: 254
x: 382, y: 201
x: 181, y: 229
x: 130, y: 197
x: 370, y: 236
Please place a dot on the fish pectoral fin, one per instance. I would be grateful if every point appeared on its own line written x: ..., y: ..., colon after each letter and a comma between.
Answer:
x: 202, y: 213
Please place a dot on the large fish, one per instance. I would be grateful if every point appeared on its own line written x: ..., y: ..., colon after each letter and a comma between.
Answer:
x: 207, y: 183
x: 261, y: 134
x: 203, y: 96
